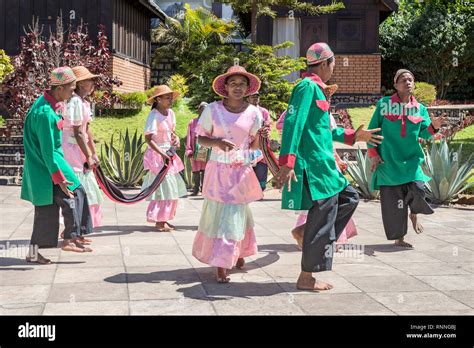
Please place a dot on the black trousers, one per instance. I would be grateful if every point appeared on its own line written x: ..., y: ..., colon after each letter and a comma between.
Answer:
x: 77, y: 218
x: 198, y: 180
x: 327, y: 218
x: 261, y: 170
x: 395, y: 201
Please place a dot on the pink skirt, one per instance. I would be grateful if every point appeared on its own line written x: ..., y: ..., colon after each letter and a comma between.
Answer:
x: 161, y: 211
x: 154, y: 163
x: 231, y: 184
x: 96, y: 214
x: 197, y: 166
x: 223, y: 253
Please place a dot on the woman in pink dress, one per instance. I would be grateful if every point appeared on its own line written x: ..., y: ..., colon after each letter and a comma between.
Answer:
x: 161, y: 138
x: 197, y: 166
x: 78, y: 143
x: 226, y: 228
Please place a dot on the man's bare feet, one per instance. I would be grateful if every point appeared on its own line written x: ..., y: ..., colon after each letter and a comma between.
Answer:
x: 221, y: 275
x: 298, y: 233
x: 39, y: 259
x: 81, y: 239
x: 402, y: 243
x: 416, y: 225
x: 70, y: 245
x: 307, y: 282
x: 240, y: 263
x: 163, y: 226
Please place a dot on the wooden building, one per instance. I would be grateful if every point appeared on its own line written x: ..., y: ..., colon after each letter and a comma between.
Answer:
x: 127, y: 23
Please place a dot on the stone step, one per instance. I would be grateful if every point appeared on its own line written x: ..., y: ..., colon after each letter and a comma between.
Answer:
x: 12, y: 159
x: 8, y: 180
x: 11, y: 170
x: 4, y: 131
x: 14, y: 121
x: 12, y: 140
x: 8, y: 149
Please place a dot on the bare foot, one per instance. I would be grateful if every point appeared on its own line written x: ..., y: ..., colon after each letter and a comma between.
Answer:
x: 221, y: 275
x: 68, y: 245
x: 306, y: 282
x: 416, y: 225
x: 298, y: 233
x: 82, y: 246
x: 240, y: 263
x: 402, y: 243
x: 163, y: 227
x: 39, y: 259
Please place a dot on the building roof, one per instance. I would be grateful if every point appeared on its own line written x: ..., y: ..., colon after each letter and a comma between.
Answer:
x: 391, y: 5
x: 154, y: 8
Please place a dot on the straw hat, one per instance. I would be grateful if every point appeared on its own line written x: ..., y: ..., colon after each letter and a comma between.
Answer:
x: 162, y: 90
x: 219, y: 82
x: 62, y: 76
x: 82, y: 73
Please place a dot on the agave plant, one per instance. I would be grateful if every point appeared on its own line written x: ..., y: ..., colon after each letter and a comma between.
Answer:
x: 123, y: 163
x: 362, y: 175
x: 449, y: 176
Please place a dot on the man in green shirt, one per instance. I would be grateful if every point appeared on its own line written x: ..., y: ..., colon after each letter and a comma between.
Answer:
x: 48, y: 180
x: 397, y: 162
x: 307, y: 158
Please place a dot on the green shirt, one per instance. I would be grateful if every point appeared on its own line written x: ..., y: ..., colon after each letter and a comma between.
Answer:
x: 307, y: 146
x: 400, y: 151
x: 44, y: 159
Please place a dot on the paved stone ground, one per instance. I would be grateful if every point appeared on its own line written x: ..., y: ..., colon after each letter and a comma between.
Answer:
x: 137, y: 271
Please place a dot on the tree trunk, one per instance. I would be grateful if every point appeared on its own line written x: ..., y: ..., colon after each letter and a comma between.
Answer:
x: 254, y: 21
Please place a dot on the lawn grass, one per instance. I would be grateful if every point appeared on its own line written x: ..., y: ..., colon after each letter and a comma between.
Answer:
x: 361, y: 116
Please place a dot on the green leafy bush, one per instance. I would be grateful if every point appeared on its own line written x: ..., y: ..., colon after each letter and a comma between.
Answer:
x: 425, y: 93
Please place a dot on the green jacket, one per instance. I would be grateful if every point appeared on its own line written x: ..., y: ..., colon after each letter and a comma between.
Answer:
x: 307, y: 146
x: 400, y: 150
x: 44, y: 159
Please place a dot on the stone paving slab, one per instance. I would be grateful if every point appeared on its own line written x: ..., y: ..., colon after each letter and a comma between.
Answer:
x: 135, y: 270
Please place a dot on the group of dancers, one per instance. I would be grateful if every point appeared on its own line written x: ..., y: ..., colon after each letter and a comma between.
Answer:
x: 223, y: 146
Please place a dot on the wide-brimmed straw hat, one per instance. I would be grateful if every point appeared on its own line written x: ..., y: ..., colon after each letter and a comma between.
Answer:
x: 62, y: 76
x: 82, y: 73
x: 219, y: 82
x: 162, y: 90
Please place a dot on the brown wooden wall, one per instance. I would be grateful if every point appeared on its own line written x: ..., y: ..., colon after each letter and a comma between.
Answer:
x: 132, y: 31
x: 18, y: 14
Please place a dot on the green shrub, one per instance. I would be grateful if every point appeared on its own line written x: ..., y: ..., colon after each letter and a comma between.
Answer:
x: 362, y: 175
x: 5, y: 66
x: 448, y: 176
x: 134, y: 100
x: 424, y: 93
x: 123, y: 164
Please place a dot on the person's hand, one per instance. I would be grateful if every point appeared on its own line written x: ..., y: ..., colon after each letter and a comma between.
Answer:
x: 174, y: 140
x: 91, y: 162
x: 165, y: 157
x: 285, y: 176
x: 368, y: 136
x: 96, y: 159
x: 437, y: 122
x: 64, y: 187
x: 225, y: 145
x: 265, y: 130
x: 374, y: 162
